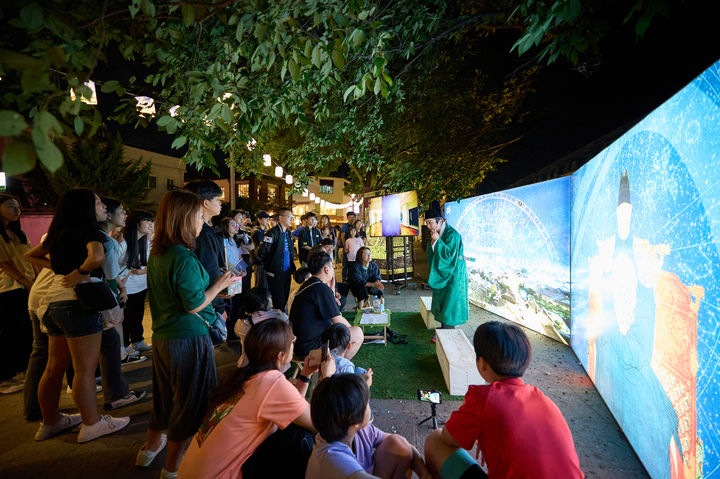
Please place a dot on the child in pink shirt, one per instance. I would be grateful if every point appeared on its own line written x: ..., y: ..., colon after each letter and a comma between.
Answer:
x: 256, y: 409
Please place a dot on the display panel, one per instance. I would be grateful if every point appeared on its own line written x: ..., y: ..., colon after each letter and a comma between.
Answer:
x: 517, y: 248
x: 394, y: 215
x: 645, y: 222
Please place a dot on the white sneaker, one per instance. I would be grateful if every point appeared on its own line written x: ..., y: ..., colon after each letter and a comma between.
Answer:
x: 167, y: 474
x: 141, y: 346
x: 132, y: 397
x: 145, y: 457
x: 10, y: 386
x: 106, y: 425
x: 133, y: 360
x: 65, y: 422
x: 130, y: 351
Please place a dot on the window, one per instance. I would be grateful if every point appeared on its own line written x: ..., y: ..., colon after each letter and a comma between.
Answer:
x: 327, y: 186
x: 222, y: 196
x: 272, y: 192
x: 170, y: 184
x: 152, y: 182
x: 243, y: 190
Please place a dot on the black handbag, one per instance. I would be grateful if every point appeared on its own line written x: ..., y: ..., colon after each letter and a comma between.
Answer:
x: 95, y: 296
x: 217, y: 330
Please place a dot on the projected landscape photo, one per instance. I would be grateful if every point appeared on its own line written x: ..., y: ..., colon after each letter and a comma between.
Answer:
x: 646, y: 281
x: 517, y: 254
x: 394, y: 215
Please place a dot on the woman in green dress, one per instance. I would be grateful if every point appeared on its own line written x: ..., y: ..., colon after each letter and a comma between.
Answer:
x: 448, y: 275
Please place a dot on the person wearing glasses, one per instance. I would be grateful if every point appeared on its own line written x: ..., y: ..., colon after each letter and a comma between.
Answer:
x: 277, y: 255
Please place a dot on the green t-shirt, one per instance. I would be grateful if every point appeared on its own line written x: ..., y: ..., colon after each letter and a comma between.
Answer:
x: 176, y: 284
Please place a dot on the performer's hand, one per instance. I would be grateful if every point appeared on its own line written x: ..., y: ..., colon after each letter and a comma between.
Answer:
x: 434, y: 236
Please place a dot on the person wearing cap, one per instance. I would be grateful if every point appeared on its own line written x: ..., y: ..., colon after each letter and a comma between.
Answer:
x: 257, y: 236
x: 448, y: 274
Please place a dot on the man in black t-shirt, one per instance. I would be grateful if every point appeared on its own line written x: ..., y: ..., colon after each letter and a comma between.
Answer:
x: 314, y: 309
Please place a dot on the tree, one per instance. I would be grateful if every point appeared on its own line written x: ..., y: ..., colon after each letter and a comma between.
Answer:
x: 97, y: 163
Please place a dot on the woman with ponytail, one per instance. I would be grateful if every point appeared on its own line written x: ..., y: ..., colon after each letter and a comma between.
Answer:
x: 239, y: 436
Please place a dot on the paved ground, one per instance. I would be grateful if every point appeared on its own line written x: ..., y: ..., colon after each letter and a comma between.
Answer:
x: 603, y: 450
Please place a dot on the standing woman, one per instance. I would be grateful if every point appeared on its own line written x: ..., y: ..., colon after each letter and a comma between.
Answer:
x: 180, y: 298
x: 140, y: 226
x: 16, y: 278
x: 327, y: 231
x: 74, y: 244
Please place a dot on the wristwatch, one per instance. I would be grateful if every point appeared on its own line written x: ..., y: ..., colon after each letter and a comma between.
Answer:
x: 304, y: 379
x: 82, y: 271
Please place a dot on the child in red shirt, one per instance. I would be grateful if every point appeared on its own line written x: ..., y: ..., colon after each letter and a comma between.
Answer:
x: 520, y: 432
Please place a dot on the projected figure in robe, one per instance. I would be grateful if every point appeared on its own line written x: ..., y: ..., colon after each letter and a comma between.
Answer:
x: 448, y: 273
x: 625, y: 353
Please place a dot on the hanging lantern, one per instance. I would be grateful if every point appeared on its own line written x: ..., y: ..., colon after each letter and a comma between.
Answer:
x: 305, y: 192
x: 312, y: 196
x: 267, y: 160
x: 289, y: 179
x: 279, y: 171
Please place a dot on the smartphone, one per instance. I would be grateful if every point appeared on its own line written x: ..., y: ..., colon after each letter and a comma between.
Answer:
x: 429, y: 395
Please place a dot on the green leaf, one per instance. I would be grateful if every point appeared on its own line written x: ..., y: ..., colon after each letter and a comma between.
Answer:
x: 79, y: 125
x: 179, y: 142
x: 147, y: 7
x: 45, y: 122
x: 363, y: 15
x: 134, y: 7
x: 316, y: 56
x: 226, y: 113
x: 11, y: 123
x: 188, y: 14
x: 348, y: 91
x: 357, y: 37
x: 31, y: 15
x: 338, y: 58
x: 294, y: 70
x: 18, y: 157
x: 48, y: 154
x: 378, y: 84
x: 164, y: 120
x: 260, y: 29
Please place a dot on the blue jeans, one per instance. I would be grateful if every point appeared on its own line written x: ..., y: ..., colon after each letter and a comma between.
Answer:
x: 67, y: 318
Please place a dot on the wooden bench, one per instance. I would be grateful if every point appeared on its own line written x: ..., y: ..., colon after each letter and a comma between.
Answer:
x: 426, y: 313
x: 457, y: 360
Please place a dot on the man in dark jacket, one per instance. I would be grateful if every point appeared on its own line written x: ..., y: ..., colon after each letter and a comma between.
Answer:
x: 208, y: 246
x: 310, y: 236
x: 277, y: 255
x: 258, y: 235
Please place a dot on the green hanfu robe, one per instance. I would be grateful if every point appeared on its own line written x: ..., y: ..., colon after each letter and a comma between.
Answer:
x: 448, y: 278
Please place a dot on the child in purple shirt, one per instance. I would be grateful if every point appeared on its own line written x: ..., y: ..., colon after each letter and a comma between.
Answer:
x: 347, y: 444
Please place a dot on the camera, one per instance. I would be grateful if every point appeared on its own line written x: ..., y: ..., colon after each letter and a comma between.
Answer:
x: 429, y: 395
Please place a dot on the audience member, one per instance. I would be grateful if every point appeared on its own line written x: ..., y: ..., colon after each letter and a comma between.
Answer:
x: 208, y: 246
x: 245, y: 243
x: 74, y: 244
x: 259, y: 422
x: 364, y: 279
x: 315, y: 308
x: 338, y: 338
x: 180, y: 296
x: 519, y: 431
x: 348, y: 445
x: 277, y: 255
x: 352, y: 244
x: 258, y: 308
x: 309, y: 237
x: 115, y: 388
x: 360, y: 229
x: 341, y: 289
x: 344, y: 235
x: 233, y: 258
x: 257, y: 236
x: 16, y: 278
x: 139, y: 229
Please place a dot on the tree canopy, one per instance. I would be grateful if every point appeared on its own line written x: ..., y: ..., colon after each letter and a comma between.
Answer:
x: 314, y: 83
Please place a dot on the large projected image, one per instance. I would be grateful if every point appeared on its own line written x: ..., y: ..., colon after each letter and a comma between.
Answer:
x: 517, y: 251
x: 646, y: 281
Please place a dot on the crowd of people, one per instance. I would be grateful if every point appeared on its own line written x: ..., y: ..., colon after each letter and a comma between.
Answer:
x: 73, y: 307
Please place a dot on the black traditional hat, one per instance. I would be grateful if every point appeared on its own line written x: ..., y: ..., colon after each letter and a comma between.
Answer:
x: 434, y: 211
x: 624, y: 193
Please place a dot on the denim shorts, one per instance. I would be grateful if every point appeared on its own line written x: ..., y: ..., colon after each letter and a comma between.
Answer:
x: 67, y: 318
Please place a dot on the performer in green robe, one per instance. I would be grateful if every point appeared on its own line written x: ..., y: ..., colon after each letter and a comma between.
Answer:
x: 448, y: 274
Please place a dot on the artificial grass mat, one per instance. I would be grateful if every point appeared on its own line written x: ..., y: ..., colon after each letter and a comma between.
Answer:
x: 400, y: 369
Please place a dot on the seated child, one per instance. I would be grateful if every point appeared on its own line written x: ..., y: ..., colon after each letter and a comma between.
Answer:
x: 340, y: 411
x: 364, y: 278
x: 520, y: 432
x: 338, y: 338
x: 301, y: 275
x: 258, y: 307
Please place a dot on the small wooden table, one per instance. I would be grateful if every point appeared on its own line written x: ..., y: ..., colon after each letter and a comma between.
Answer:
x: 384, y: 325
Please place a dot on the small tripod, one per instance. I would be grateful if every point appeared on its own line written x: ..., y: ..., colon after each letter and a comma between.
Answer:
x: 433, y: 416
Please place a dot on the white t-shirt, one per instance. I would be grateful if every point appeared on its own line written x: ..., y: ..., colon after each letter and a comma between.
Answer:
x: 13, y: 252
x: 135, y: 282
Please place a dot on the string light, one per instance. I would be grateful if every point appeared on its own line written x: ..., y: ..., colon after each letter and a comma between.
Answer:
x: 279, y: 171
x: 289, y: 179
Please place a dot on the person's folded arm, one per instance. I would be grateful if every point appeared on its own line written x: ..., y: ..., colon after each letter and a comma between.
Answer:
x: 38, y: 256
